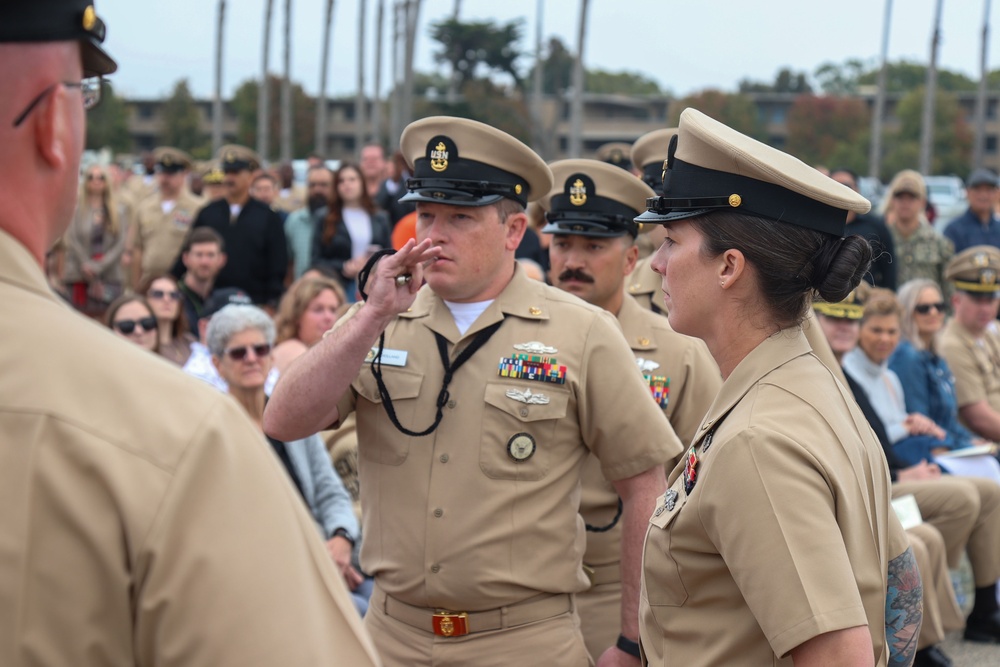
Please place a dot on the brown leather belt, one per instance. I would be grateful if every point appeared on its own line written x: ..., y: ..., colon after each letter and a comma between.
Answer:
x: 445, y: 623
x: 603, y: 574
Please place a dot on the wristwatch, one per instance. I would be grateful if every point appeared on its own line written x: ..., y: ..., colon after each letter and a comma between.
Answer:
x: 342, y: 532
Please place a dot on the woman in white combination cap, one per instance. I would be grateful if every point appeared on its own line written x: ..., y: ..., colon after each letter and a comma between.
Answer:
x: 775, y: 543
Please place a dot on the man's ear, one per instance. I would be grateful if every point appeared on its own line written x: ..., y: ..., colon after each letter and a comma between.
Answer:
x: 52, y: 131
x: 516, y: 224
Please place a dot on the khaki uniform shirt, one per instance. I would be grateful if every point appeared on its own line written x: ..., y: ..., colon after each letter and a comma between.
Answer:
x: 645, y: 286
x: 923, y: 254
x: 160, y: 235
x: 468, y: 518
x: 683, y: 380
x: 788, y: 530
x: 974, y: 362
x: 135, y: 531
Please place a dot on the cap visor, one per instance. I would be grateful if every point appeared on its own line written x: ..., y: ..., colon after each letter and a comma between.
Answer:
x: 654, y: 218
x: 582, y: 228
x: 450, y: 197
x: 95, y: 61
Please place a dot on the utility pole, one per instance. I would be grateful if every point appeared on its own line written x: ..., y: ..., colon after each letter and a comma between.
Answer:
x: 576, y: 112
x: 217, y: 101
x: 412, y: 19
x: 930, y: 96
x: 396, y: 99
x: 978, y: 148
x: 875, y: 153
x: 453, y: 82
x: 376, y: 131
x: 359, y: 99
x: 321, y: 100
x: 264, y: 89
x: 286, y: 89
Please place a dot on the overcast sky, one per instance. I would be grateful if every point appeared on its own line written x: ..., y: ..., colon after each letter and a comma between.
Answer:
x: 684, y: 45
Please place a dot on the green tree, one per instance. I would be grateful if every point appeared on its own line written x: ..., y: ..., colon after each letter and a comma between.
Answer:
x: 557, y: 69
x: 904, y: 76
x: 621, y: 83
x: 469, y: 45
x: 182, y: 120
x: 244, y: 106
x: 952, y: 136
x: 485, y: 101
x: 828, y: 130
x: 735, y: 110
x: 786, y: 81
x: 107, y: 125
x: 840, y: 79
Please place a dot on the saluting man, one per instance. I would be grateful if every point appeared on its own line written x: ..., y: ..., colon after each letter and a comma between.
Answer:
x: 591, y: 211
x: 476, y: 409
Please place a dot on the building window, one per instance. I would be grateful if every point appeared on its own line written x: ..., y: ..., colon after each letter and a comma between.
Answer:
x: 990, y: 144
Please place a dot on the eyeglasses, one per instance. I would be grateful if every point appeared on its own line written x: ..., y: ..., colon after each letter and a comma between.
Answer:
x: 90, y: 89
x: 240, y: 353
x: 128, y: 326
x: 924, y: 308
x: 95, y: 177
x: 161, y: 294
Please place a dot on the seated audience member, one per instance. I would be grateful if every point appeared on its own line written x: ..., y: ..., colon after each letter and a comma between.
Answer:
x: 929, y: 384
x: 349, y: 229
x: 199, y: 364
x: 914, y: 436
x: 872, y: 228
x: 95, y: 241
x: 240, y: 338
x: 164, y: 297
x: 203, y: 255
x: 131, y: 317
x: 965, y: 511
x: 970, y: 342
x: 921, y: 252
x: 307, y: 310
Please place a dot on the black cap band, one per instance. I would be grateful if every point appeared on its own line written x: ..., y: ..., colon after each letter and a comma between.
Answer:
x: 692, y: 190
x: 652, y: 175
x: 601, y: 217
x: 468, y: 181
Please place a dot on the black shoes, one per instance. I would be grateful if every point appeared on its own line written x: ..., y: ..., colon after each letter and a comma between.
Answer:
x: 932, y: 656
x: 985, y: 629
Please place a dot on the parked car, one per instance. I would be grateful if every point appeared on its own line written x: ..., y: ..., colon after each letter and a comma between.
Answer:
x: 872, y: 190
x: 947, y: 195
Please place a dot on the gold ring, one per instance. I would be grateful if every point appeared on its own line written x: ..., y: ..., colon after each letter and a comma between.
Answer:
x: 403, y: 279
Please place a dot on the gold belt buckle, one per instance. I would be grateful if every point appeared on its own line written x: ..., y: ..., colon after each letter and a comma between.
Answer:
x: 451, y: 624
x: 589, y: 571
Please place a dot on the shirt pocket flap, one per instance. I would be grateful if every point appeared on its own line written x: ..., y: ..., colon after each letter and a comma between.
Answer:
x: 663, y: 515
x: 400, y: 383
x: 527, y: 405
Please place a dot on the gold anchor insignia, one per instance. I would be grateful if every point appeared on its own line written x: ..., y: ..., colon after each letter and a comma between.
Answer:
x: 988, y: 277
x: 439, y: 157
x: 89, y: 17
x: 578, y: 193
x: 230, y: 156
x: 735, y: 200
x: 980, y: 260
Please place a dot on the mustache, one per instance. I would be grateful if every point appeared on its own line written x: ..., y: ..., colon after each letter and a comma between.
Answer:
x: 575, y: 274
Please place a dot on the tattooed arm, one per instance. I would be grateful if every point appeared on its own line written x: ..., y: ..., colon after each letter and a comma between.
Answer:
x: 903, y: 610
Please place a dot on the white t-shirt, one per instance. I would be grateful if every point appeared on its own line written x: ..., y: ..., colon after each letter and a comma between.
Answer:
x: 466, y: 313
x: 359, y: 226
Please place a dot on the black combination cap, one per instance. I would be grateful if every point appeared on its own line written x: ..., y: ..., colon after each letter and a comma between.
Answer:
x: 593, y: 198
x: 223, y: 297
x: 58, y: 21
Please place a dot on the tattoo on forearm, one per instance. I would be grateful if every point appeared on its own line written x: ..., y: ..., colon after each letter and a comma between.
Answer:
x: 903, y: 610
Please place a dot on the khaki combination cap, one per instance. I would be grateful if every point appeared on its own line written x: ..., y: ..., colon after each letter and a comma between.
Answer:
x: 617, y: 153
x: 649, y: 154
x: 233, y: 157
x: 462, y: 162
x: 59, y: 21
x: 592, y: 198
x: 171, y: 160
x: 975, y: 270
x: 909, y: 181
x: 713, y: 167
x: 851, y: 308
x: 210, y: 172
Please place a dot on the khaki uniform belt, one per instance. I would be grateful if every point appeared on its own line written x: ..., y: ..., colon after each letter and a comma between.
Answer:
x: 457, y: 623
x: 603, y: 574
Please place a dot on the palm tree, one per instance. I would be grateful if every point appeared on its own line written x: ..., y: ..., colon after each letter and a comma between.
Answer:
x: 217, y: 101
x: 536, y: 94
x: 412, y: 18
x: 324, y: 62
x: 576, y: 117
x: 376, y: 130
x: 359, y: 100
x: 286, y: 89
x: 263, y: 90
x: 977, y: 151
x: 875, y: 151
x: 930, y: 95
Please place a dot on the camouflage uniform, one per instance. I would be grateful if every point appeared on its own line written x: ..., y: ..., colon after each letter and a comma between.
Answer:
x: 923, y: 255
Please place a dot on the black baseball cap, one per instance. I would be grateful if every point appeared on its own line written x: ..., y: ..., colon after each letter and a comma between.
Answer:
x: 59, y: 21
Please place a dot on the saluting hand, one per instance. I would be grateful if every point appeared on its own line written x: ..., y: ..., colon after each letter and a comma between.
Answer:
x: 389, y: 292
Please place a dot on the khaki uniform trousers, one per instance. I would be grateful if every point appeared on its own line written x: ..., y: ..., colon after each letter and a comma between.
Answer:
x: 941, y: 611
x: 966, y: 511
x: 554, y: 642
x: 600, y: 610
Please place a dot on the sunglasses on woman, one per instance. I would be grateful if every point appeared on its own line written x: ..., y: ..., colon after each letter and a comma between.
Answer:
x: 924, y: 308
x: 128, y: 326
x: 240, y: 353
x: 161, y: 294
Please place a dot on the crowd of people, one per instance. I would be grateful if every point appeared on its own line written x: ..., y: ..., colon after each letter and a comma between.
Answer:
x: 653, y: 407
